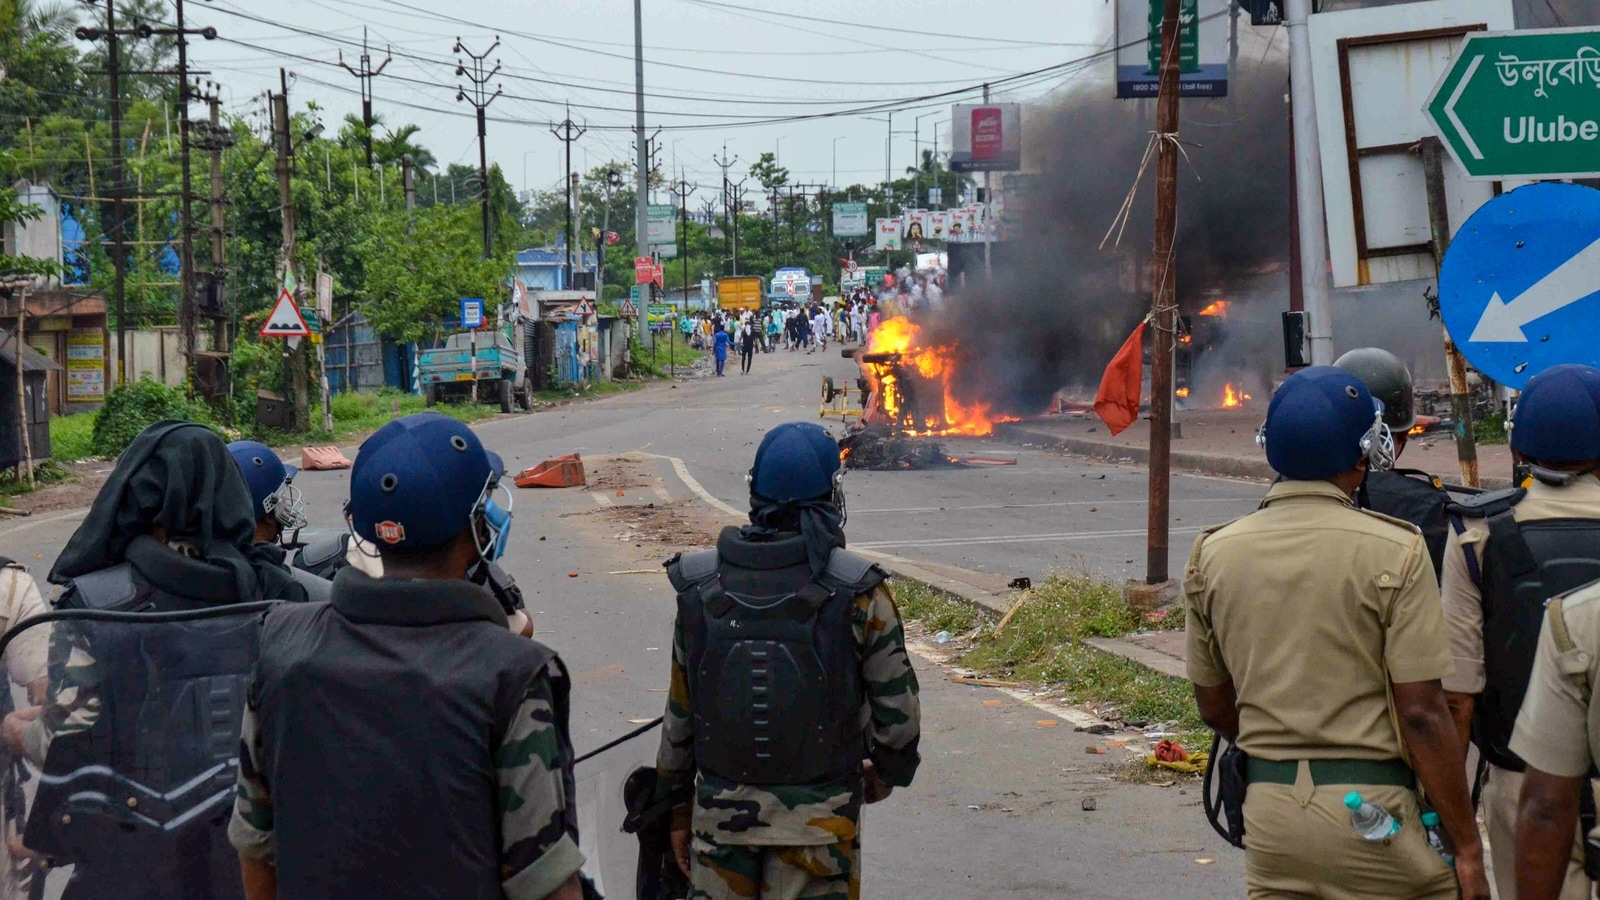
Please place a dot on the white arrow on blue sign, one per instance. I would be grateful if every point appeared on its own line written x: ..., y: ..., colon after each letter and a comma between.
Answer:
x: 1521, y: 282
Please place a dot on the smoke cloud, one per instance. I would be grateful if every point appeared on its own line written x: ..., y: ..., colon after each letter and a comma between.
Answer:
x: 1058, y: 306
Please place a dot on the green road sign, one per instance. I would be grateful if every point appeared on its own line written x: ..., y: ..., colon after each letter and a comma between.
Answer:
x: 1523, y: 104
x: 1188, y: 36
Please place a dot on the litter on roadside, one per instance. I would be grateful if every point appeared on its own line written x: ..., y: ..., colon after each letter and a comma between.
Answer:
x: 560, y: 472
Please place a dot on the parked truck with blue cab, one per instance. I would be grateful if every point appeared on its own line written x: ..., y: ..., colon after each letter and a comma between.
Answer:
x: 448, y: 372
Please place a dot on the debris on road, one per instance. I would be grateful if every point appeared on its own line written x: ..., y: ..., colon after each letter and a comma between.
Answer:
x: 1090, y: 804
x: 1095, y: 749
x: 322, y: 459
x: 1047, y: 723
x: 560, y: 472
x: 984, y: 682
x: 1096, y: 728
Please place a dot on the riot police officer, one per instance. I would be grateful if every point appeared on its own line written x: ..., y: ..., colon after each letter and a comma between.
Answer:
x: 399, y: 741
x: 792, y: 699
x: 1301, y: 616
x: 278, y: 504
x: 1509, y: 552
x: 1409, y: 494
x: 1553, y: 736
x: 144, y: 710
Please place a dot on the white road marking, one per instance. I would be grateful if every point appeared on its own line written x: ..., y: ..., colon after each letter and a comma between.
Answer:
x: 662, y: 493
x: 926, y: 509
x: 1016, y: 538
x: 692, y: 484
x: 31, y: 522
x: 601, y: 500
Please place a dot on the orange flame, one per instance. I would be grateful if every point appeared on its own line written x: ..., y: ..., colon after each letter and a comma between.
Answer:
x: 1183, y: 393
x: 1417, y: 429
x: 1231, y: 398
x: 1217, y: 308
x: 938, y: 363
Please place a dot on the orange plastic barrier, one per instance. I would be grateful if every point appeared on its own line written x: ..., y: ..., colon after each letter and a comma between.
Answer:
x: 322, y: 458
x: 563, y: 471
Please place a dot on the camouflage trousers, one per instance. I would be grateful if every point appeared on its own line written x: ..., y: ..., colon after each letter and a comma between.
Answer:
x: 729, y: 872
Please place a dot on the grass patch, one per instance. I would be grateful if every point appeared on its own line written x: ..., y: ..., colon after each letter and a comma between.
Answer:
x: 1490, y: 430
x: 1043, y: 643
x: 72, y: 437
x: 585, y: 389
x: 658, y: 361
x: 934, y: 609
x: 14, y: 483
x: 356, y: 414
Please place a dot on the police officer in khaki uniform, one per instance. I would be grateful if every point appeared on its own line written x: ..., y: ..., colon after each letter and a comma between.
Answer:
x: 25, y: 665
x: 1303, y: 619
x: 1558, y: 736
x: 1508, y: 553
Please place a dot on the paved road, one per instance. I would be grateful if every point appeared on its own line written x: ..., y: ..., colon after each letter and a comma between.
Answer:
x: 997, y: 810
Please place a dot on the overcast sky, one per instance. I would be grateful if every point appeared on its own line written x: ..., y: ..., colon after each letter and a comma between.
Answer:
x: 732, y: 62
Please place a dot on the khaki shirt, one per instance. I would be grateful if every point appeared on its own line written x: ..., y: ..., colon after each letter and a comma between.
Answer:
x: 1311, y: 606
x: 1463, y: 601
x: 27, y: 656
x: 1558, y: 730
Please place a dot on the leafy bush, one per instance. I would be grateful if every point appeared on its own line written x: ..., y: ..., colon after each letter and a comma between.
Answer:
x: 72, y: 437
x: 131, y: 408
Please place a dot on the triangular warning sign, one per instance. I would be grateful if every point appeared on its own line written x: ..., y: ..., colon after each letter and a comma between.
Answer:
x: 627, y: 308
x: 285, y: 319
x: 585, y: 308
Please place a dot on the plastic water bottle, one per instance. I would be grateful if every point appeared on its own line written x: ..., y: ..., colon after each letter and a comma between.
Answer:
x: 1371, y: 821
x: 1437, y: 838
x: 942, y: 637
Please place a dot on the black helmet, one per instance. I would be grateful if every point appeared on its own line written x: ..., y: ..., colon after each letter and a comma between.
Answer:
x: 1387, y: 378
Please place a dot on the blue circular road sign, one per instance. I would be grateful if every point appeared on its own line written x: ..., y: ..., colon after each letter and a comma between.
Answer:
x: 1520, y: 286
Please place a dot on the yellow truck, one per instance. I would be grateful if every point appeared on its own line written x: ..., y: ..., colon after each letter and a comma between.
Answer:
x: 739, y: 293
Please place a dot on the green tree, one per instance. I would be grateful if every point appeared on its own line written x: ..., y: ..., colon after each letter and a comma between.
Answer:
x: 42, y: 72
x: 13, y: 210
x: 417, y: 271
x: 767, y: 171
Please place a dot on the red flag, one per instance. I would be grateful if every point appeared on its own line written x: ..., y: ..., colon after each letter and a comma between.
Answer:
x: 1117, y: 403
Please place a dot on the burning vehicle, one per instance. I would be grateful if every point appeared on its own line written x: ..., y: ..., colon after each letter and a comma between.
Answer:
x: 907, y: 397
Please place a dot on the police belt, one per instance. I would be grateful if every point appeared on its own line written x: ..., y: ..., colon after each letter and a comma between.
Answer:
x: 1333, y: 771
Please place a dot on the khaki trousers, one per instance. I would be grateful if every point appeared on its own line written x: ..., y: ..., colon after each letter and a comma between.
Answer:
x: 1501, y: 788
x: 1299, y: 843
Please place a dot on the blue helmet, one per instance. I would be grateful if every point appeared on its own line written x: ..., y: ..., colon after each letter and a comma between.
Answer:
x: 796, y: 461
x: 419, y: 481
x: 268, y: 478
x: 1321, y: 422
x: 1558, y: 416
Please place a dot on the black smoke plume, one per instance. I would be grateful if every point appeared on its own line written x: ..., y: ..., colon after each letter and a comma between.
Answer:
x: 1059, y: 306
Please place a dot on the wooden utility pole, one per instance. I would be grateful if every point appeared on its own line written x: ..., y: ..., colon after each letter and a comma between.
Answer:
x: 1455, y: 364
x: 1164, y: 307
x: 214, y: 139
x: 295, y: 352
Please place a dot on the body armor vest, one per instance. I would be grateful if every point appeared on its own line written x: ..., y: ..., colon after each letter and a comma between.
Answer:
x: 1524, y: 564
x: 1415, y: 497
x: 171, y: 697
x: 773, y: 668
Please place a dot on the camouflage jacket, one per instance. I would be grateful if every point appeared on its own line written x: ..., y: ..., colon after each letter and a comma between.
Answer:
x: 538, y: 852
x: 726, y: 812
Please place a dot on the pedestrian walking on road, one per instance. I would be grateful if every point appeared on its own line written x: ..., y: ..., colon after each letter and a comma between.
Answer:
x: 1509, y: 552
x: 404, y: 714
x: 747, y: 347
x: 768, y: 805
x: 1304, y: 619
x: 720, y: 341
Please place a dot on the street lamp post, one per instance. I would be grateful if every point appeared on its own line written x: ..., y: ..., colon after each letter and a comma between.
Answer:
x: 835, y: 179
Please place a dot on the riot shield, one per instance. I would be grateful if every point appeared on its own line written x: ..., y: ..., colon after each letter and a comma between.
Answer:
x: 612, y: 857
x: 137, y: 747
